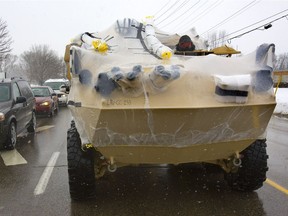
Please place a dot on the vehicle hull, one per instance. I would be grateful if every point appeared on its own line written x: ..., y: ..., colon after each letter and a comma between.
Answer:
x: 174, y: 135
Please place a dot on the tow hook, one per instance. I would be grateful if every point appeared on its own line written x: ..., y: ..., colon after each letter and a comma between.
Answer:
x: 112, y: 167
x: 237, y: 160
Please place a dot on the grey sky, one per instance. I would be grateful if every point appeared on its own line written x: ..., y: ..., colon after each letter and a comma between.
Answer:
x: 55, y: 22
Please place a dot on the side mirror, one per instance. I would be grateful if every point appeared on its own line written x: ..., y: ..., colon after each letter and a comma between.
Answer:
x: 21, y: 99
x: 67, y: 89
x: 64, y: 89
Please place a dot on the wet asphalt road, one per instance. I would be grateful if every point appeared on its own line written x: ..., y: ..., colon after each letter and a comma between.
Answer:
x: 159, y: 190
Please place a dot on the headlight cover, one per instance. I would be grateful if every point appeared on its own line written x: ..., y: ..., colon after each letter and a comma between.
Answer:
x: 46, y: 103
x: 2, y: 117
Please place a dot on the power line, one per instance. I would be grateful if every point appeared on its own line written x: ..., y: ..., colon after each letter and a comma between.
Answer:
x: 200, y: 15
x: 254, y: 24
x: 266, y: 26
x: 242, y: 10
x: 166, y: 11
x: 155, y: 14
x: 178, y: 8
x: 257, y: 22
x: 204, y: 12
x: 192, y: 13
x: 181, y: 15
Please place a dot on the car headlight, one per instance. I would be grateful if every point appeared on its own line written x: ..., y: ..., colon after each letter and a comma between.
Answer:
x: 63, y: 96
x: 2, y: 117
x: 46, y: 103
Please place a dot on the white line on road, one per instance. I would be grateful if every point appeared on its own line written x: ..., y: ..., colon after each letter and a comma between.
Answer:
x: 12, y: 157
x: 43, y: 181
x: 43, y: 128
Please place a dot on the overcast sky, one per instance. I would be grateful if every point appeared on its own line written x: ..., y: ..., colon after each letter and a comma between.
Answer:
x: 54, y: 23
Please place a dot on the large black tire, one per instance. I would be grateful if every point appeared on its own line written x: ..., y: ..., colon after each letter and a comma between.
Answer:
x: 80, y: 167
x: 32, y: 124
x: 11, y: 137
x: 252, y: 172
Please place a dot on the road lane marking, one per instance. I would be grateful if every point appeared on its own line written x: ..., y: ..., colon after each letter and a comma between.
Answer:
x: 12, y: 157
x: 46, y: 127
x: 277, y: 186
x: 43, y: 181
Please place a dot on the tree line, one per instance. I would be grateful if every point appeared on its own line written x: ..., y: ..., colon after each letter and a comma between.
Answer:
x: 40, y: 63
x: 36, y: 65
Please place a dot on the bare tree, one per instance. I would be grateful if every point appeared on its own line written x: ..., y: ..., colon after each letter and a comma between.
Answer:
x: 282, y: 62
x: 41, y: 63
x: 12, y: 68
x: 212, y: 40
x: 217, y: 39
x: 5, y: 43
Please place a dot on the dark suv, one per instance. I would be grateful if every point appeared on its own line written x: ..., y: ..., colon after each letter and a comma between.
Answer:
x: 17, y: 110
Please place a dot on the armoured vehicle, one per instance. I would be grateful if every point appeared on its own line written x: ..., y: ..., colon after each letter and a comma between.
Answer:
x: 134, y: 100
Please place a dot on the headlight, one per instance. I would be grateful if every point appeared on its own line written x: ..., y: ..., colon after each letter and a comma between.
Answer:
x: 63, y: 96
x: 2, y: 117
x: 46, y: 103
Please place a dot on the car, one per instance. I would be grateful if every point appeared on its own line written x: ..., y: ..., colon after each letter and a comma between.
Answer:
x: 61, y: 87
x: 17, y: 111
x: 46, y: 100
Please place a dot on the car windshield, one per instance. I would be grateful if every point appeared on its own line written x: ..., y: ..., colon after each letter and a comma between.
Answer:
x: 4, y: 92
x: 54, y: 85
x: 41, y: 92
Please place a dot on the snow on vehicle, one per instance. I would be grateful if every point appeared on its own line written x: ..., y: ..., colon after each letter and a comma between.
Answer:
x: 135, y: 101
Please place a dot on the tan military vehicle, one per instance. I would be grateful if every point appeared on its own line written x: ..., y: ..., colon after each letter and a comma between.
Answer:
x: 134, y: 100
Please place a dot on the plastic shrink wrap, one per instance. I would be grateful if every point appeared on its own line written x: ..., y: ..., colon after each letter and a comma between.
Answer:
x: 128, y: 89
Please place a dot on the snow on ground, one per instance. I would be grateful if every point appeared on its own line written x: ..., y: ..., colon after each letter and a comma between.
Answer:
x: 282, y: 102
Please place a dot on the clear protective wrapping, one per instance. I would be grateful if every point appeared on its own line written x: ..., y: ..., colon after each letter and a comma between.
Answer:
x: 127, y: 92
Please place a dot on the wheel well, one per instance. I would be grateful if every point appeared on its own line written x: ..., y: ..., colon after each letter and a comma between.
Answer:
x: 12, y: 119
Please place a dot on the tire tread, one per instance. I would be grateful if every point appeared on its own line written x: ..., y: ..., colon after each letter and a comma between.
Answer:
x: 80, y: 168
